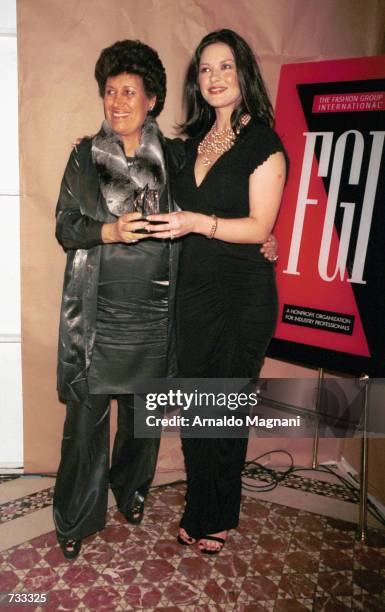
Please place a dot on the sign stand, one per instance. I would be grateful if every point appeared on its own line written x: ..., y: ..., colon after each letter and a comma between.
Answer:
x: 363, y: 502
x: 364, y: 381
x: 314, y: 464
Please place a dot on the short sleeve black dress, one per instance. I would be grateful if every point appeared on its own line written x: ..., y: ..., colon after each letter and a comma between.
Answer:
x: 226, y: 313
x: 226, y: 296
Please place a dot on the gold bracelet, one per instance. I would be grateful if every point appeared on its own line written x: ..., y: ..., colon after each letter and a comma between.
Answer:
x: 213, y: 227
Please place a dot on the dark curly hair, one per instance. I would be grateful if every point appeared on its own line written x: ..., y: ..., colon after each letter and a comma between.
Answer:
x: 134, y: 57
x: 200, y: 116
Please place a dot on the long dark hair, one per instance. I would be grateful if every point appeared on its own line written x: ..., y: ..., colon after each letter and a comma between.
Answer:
x: 200, y: 116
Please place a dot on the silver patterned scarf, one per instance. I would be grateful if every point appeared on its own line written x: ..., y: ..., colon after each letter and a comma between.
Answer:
x: 122, y: 181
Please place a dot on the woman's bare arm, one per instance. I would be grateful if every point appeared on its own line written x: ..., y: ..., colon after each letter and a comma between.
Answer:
x: 265, y: 191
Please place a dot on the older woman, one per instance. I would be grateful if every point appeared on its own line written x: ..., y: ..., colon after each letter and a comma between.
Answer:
x: 230, y: 190
x: 116, y: 323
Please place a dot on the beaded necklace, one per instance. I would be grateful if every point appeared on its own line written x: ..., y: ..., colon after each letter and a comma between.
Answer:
x: 216, y: 142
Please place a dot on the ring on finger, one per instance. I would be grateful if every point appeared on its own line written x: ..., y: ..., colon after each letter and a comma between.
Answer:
x: 275, y: 258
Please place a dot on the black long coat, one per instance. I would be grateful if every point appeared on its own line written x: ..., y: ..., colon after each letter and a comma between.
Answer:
x: 80, y: 214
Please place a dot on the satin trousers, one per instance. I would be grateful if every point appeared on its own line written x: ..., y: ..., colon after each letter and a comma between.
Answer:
x: 81, y: 490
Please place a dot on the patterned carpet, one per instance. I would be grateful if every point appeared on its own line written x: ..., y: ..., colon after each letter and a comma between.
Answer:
x: 279, y: 559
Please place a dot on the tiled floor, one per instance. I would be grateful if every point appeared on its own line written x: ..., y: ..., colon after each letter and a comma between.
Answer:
x: 281, y: 558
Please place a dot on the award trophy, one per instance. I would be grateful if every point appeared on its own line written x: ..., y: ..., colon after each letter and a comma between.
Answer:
x: 147, y: 203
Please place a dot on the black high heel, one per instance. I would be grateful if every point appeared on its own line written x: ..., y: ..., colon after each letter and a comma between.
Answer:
x: 189, y: 542
x: 70, y: 548
x: 215, y: 551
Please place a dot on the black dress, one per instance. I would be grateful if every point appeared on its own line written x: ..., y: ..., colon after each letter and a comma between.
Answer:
x: 226, y: 314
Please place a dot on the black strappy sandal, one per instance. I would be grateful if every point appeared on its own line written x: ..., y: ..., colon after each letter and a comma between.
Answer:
x: 208, y: 551
x: 70, y: 548
x: 189, y: 542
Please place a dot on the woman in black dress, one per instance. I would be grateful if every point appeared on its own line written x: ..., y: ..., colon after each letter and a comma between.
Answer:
x: 230, y: 191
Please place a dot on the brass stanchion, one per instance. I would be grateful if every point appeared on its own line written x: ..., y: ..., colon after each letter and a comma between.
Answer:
x: 363, y: 503
x: 314, y: 464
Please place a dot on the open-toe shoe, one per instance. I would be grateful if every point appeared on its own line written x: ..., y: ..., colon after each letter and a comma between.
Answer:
x: 134, y: 515
x: 70, y: 548
x: 184, y: 538
x: 211, y: 551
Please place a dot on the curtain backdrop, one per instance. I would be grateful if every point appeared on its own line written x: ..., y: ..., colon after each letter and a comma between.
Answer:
x: 58, y: 44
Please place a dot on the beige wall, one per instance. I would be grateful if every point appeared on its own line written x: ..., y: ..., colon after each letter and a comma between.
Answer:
x: 59, y: 42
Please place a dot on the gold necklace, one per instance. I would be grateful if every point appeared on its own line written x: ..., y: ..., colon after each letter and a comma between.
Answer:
x: 216, y: 142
